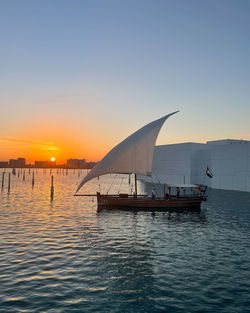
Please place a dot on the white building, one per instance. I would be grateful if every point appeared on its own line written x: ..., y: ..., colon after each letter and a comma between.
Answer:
x: 186, y: 163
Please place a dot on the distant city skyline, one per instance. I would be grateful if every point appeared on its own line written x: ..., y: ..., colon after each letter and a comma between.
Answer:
x: 70, y: 163
x: 79, y: 77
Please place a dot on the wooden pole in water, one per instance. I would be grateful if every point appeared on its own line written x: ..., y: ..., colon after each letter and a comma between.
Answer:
x: 52, y: 188
x: 3, y: 179
x: 33, y: 179
x: 24, y: 175
x: 9, y: 184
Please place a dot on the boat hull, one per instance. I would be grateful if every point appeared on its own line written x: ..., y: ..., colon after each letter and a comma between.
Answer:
x: 146, y: 203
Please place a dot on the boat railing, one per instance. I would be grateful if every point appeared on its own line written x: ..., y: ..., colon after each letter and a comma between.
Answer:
x: 145, y: 196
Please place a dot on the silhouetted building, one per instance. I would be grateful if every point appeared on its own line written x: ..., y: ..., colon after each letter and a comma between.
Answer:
x: 76, y: 163
x: 12, y: 163
x: 20, y: 162
x: 4, y: 164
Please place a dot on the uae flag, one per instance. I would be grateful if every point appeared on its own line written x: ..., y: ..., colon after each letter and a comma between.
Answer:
x: 209, y: 173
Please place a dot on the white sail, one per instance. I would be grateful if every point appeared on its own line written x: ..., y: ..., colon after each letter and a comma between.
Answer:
x: 133, y: 155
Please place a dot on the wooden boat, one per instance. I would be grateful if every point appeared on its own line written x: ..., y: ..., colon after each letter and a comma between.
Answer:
x: 134, y: 155
x: 125, y: 201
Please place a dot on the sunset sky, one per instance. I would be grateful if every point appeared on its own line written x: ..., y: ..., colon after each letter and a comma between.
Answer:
x: 77, y: 77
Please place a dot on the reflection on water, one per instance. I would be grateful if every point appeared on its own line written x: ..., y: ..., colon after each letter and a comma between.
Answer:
x: 63, y: 256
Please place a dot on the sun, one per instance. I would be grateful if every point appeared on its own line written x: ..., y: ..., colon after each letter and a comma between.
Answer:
x: 52, y: 159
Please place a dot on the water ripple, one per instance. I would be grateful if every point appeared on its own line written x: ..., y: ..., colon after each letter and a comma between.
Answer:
x: 65, y: 257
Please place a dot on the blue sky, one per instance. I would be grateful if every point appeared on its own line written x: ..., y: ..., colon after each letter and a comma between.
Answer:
x: 109, y: 67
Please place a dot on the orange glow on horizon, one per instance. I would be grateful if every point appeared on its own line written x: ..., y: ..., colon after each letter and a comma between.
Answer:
x: 36, y: 150
x: 61, y: 139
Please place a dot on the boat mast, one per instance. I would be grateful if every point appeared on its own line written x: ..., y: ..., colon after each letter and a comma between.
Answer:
x: 135, y: 185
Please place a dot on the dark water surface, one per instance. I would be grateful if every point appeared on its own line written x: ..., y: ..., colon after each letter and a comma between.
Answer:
x: 63, y: 256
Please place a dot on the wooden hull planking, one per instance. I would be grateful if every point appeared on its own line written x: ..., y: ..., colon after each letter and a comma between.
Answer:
x: 142, y: 202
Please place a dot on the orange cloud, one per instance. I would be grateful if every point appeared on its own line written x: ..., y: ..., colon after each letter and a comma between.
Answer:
x: 31, y: 149
x: 31, y: 143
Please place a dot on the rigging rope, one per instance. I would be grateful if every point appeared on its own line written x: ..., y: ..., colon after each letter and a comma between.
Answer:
x: 111, y: 184
x: 159, y: 182
x: 120, y: 185
x: 99, y: 184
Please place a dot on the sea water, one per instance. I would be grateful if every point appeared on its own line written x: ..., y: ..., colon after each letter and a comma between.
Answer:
x: 63, y: 256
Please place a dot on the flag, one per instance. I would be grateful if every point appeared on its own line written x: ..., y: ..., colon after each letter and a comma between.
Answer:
x: 209, y: 173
